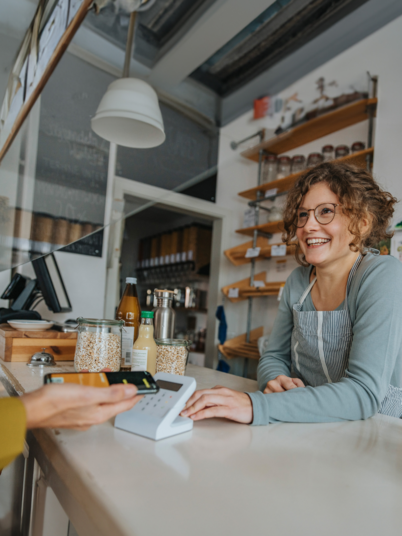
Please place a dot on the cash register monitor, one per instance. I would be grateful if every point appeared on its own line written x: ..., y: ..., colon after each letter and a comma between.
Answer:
x: 51, y: 285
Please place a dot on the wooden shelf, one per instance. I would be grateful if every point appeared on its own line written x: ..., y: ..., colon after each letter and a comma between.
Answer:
x: 314, y: 129
x: 272, y: 227
x: 237, y: 255
x: 283, y: 185
x: 247, y: 291
x: 238, y: 347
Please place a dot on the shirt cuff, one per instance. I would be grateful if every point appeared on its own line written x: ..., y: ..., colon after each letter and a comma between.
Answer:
x: 260, y: 408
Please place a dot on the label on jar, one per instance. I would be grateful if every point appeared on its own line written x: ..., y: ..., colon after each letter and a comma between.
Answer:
x: 139, y: 359
x: 252, y: 252
x: 127, y: 342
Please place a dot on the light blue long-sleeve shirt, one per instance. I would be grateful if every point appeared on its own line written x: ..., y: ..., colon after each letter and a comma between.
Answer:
x: 375, y: 307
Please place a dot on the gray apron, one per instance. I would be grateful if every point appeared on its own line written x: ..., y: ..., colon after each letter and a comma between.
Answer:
x: 320, y: 346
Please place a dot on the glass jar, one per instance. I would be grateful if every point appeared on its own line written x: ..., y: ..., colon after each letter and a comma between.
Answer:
x: 269, y: 168
x: 284, y: 163
x: 171, y: 356
x: 298, y: 163
x: 341, y: 150
x: 314, y: 159
x: 275, y: 214
x: 328, y: 153
x: 357, y: 146
x: 98, y: 345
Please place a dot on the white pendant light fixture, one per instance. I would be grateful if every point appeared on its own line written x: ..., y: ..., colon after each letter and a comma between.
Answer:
x: 128, y: 113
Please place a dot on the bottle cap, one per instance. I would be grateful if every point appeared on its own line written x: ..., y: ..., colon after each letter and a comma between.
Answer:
x: 132, y: 280
x: 147, y: 314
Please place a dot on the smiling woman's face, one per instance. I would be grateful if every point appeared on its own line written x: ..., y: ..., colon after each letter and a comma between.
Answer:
x: 335, y: 237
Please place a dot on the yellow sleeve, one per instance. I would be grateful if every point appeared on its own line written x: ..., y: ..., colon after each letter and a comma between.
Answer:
x: 12, y: 429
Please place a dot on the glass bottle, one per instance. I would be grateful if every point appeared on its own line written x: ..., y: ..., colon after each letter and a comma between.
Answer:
x: 328, y: 153
x: 129, y: 311
x: 270, y: 168
x: 283, y: 167
x: 144, y: 349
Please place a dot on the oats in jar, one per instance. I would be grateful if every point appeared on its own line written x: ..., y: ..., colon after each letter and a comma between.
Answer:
x: 171, y: 356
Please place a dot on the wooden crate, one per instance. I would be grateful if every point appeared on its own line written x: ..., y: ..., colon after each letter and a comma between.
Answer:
x: 21, y: 345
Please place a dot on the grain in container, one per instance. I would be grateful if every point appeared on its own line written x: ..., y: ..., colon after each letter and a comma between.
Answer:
x: 98, y: 345
x: 171, y: 356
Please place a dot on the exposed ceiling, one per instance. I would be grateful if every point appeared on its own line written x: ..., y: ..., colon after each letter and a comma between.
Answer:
x: 216, y: 56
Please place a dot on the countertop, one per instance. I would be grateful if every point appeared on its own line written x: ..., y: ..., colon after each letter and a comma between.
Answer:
x: 223, y: 478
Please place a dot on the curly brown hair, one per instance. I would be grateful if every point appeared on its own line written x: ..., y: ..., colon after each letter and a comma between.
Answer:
x: 360, y: 196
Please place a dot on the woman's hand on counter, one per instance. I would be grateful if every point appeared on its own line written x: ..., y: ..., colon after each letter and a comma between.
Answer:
x: 282, y: 383
x: 77, y: 406
x: 219, y: 402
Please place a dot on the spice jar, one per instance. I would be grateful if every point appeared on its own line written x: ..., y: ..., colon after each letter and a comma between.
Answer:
x: 98, y: 345
x: 341, y: 150
x: 298, y: 163
x: 358, y: 146
x: 283, y: 167
x: 328, y: 153
x: 269, y: 168
x: 171, y: 356
x: 314, y: 159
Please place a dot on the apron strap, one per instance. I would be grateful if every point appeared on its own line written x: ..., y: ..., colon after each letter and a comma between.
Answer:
x: 305, y: 293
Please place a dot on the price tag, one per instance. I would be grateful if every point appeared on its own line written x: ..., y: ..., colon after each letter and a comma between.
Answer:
x: 271, y: 192
x: 252, y: 252
x: 280, y: 292
x: 233, y: 292
x: 259, y: 284
x: 278, y: 251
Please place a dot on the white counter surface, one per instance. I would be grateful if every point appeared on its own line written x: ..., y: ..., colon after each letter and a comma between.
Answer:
x: 224, y: 478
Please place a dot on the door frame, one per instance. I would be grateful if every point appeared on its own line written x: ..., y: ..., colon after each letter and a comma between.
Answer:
x: 221, y: 219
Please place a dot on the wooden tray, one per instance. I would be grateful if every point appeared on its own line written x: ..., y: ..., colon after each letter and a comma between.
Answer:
x: 21, y: 345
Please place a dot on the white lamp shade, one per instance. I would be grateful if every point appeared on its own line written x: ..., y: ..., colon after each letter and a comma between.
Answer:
x: 129, y: 115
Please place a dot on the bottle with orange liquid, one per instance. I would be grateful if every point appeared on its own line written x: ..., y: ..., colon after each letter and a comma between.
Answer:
x: 129, y: 310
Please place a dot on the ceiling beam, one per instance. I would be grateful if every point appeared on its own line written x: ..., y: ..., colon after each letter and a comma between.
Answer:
x: 222, y: 21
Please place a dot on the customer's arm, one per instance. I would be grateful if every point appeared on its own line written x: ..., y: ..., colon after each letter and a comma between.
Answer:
x: 377, y: 342
x: 12, y: 429
x: 59, y: 406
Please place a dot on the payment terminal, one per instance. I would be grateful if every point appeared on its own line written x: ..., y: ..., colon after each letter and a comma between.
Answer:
x: 157, y: 416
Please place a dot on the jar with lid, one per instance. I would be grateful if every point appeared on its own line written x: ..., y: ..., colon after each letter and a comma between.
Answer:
x: 314, y: 159
x: 171, y: 356
x: 341, y: 151
x: 298, y: 163
x: 98, y: 345
x: 357, y: 146
x: 328, y: 153
x: 275, y: 214
x: 284, y: 163
x: 269, y: 168
x: 164, y: 314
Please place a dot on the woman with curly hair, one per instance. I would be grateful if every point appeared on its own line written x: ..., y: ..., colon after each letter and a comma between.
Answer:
x: 334, y: 351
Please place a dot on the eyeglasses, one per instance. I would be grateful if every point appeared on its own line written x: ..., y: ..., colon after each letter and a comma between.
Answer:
x: 323, y: 213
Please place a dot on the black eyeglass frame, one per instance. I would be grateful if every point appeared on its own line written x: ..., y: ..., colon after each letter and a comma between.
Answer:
x: 315, y: 215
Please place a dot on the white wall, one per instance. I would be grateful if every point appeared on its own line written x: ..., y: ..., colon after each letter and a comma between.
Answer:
x: 380, y: 55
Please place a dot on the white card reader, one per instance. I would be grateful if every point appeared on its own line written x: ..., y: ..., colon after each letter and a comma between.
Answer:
x: 157, y: 416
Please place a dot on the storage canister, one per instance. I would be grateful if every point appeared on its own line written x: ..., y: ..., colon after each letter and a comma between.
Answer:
x: 328, y: 153
x: 358, y: 146
x: 269, y: 168
x: 98, y: 345
x: 298, y: 163
x: 283, y: 167
x: 171, y: 356
x: 341, y: 150
x: 314, y: 159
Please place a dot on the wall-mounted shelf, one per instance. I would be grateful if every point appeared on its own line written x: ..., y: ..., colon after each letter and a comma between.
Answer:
x: 245, y: 290
x: 315, y: 128
x: 238, y: 347
x: 271, y: 228
x: 358, y: 159
x: 237, y: 255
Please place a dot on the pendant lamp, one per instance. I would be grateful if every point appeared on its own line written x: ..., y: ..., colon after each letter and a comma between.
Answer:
x: 128, y: 113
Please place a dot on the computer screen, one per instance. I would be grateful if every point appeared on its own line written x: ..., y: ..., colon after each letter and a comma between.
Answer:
x: 50, y: 283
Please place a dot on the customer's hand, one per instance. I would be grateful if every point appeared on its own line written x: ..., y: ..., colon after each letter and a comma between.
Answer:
x: 219, y: 402
x: 282, y: 383
x: 77, y: 406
